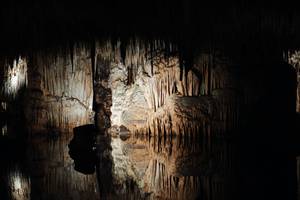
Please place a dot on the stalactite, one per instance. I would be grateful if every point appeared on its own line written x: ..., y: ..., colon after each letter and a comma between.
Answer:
x: 151, y: 57
x: 55, y: 85
x: 15, y: 77
x: 215, y: 81
x: 144, y: 67
x: 72, y: 55
x: 93, y: 57
x: 293, y: 58
x: 123, y: 52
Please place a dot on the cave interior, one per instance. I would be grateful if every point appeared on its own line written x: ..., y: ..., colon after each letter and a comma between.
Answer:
x: 157, y: 99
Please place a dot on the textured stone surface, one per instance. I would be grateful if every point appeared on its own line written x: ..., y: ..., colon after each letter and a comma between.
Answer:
x: 136, y: 85
x: 60, y: 91
x: 165, y: 99
x: 14, y: 77
x: 294, y: 59
x: 102, y: 90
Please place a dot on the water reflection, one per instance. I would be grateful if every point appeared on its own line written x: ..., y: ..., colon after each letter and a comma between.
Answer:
x: 14, y: 179
x: 137, y: 168
x: 52, y: 171
x: 182, y: 167
x: 87, y: 165
x: 83, y: 149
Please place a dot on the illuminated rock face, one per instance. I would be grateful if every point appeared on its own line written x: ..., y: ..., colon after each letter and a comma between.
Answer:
x: 136, y: 85
x: 164, y: 99
x: 60, y: 91
x: 14, y: 77
x: 294, y: 60
x: 129, y: 104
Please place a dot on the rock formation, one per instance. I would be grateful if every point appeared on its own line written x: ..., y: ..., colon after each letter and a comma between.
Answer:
x: 294, y: 59
x: 142, y: 85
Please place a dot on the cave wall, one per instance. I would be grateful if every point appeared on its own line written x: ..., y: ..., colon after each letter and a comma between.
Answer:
x: 157, y: 94
x: 60, y: 90
x: 13, y: 81
x: 13, y: 77
x: 293, y: 58
x: 145, y: 85
x: 206, y: 94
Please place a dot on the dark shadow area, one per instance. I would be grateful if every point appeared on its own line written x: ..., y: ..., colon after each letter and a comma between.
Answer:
x: 82, y: 149
x: 104, y: 167
x: 13, y: 162
x: 269, y: 143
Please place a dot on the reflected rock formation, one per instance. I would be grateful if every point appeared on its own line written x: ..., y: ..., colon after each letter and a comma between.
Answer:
x: 52, y: 172
x: 149, y: 123
x: 179, y: 168
x: 15, y: 182
x: 82, y: 149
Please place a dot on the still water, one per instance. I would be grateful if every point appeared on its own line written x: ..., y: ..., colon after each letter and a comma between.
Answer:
x: 75, y: 166
x: 84, y: 165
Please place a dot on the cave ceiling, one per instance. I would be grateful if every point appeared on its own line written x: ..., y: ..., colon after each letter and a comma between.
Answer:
x: 240, y: 27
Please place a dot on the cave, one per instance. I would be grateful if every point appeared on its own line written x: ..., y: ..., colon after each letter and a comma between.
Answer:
x: 169, y: 100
